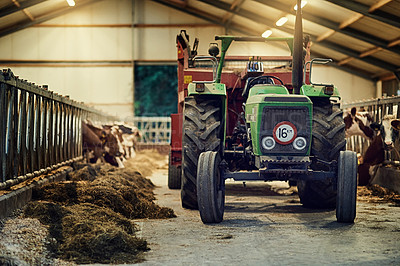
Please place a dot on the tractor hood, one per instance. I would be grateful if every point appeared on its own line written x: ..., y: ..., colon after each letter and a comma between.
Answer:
x: 280, y: 124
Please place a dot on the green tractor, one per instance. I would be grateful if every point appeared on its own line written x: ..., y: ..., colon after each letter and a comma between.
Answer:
x: 290, y: 133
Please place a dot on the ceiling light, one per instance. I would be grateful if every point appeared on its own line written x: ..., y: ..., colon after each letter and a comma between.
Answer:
x: 71, y: 2
x: 267, y: 33
x: 303, y: 3
x: 281, y: 21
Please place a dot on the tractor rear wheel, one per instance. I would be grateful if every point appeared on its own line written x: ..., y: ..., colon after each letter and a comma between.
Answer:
x: 174, y: 175
x: 347, y: 187
x: 210, y: 188
x: 202, y: 131
x: 328, y: 139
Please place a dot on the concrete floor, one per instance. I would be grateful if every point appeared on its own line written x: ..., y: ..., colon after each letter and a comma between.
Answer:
x: 263, y: 225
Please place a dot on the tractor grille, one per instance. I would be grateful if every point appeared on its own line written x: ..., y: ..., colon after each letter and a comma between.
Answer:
x: 297, y: 115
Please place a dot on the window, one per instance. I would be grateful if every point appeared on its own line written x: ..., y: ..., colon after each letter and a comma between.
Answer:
x: 156, y: 88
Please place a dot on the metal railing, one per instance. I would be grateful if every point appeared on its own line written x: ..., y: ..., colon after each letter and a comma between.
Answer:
x: 155, y: 130
x: 39, y: 129
x: 377, y: 108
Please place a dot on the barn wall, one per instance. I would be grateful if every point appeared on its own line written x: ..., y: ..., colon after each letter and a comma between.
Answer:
x: 351, y: 87
x: 79, y: 55
x: 93, y: 63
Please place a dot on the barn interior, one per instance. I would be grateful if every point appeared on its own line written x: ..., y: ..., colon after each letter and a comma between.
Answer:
x: 117, y: 66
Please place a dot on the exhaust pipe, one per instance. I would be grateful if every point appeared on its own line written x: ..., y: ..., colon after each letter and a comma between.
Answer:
x: 297, y: 63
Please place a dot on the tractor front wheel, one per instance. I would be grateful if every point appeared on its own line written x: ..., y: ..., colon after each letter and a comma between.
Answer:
x: 328, y: 139
x: 347, y: 187
x: 210, y: 188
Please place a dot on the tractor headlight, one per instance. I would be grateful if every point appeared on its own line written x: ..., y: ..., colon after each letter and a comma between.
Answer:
x: 299, y: 143
x: 268, y: 143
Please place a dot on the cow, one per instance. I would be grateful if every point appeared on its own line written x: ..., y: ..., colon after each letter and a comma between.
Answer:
x: 129, y: 136
x: 357, y: 124
x: 100, y: 140
x: 387, y: 133
x: 91, y: 144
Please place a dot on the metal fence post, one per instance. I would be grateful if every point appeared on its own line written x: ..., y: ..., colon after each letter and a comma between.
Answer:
x: 3, y: 121
x: 22, y: 133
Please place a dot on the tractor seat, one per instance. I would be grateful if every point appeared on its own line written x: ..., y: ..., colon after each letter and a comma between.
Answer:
x: 250, y: 84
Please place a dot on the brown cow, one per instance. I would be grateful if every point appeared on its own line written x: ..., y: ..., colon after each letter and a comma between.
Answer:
x: 383, y: 141
x: 91, y: 143
x: 105, y: 142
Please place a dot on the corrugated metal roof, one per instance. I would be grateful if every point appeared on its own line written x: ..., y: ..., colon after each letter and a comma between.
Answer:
x: 376, y: 28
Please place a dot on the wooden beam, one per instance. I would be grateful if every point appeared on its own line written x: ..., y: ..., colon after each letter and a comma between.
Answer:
x: 325, y: 35
x: 226, y: 17
x: 345, y: 61
x: 82, y: 26
x: 394, y: 42
x: 387, y: 77
x: 16, y: 3
x: 28, y: 14
x: 350, y: 21
x: 236, y: 5
x: 17, y: 6
x: 363, y: 9
x: 200, y: 25
x: 25, y: 11
x: 370, y: 52
x: 378, y: 5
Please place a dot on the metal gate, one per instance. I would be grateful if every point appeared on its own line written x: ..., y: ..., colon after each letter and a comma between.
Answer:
x: 39, y: 129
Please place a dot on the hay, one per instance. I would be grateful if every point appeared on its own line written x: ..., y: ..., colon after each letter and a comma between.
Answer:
x: 87, y: 172
x: 87, y: 233
x: 99, y: 235
x: 89, y: 215
x: 378, y: 194
x: 385, y: 194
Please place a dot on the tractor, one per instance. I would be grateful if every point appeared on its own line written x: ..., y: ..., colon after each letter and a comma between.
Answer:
x: 258, y: 125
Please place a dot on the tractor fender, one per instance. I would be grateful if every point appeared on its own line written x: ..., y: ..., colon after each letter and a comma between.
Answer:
x: 203, y: 88
x: 325, y: 91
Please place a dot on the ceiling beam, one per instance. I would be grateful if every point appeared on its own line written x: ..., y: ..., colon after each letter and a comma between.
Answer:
x: 43, y: 18
x: 332, y: 25
x: 351, y: 20
x: 345, y: 61
x: 325, y: 35
x: 12, y: 8
x: 364, y: 9
x: 378, y: 5
x: 243, y: 13
x: 394, y: 42
x: 349, y: 52
x: 196, y: 13
x: 352, y: 70
x: 370, y: 52
x: 236, y: 5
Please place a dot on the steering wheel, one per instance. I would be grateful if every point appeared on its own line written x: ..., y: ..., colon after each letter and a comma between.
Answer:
x: 264, y: 77
x: 254, y: 80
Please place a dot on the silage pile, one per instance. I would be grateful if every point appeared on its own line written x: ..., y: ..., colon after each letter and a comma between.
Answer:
x: 90, y: 215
